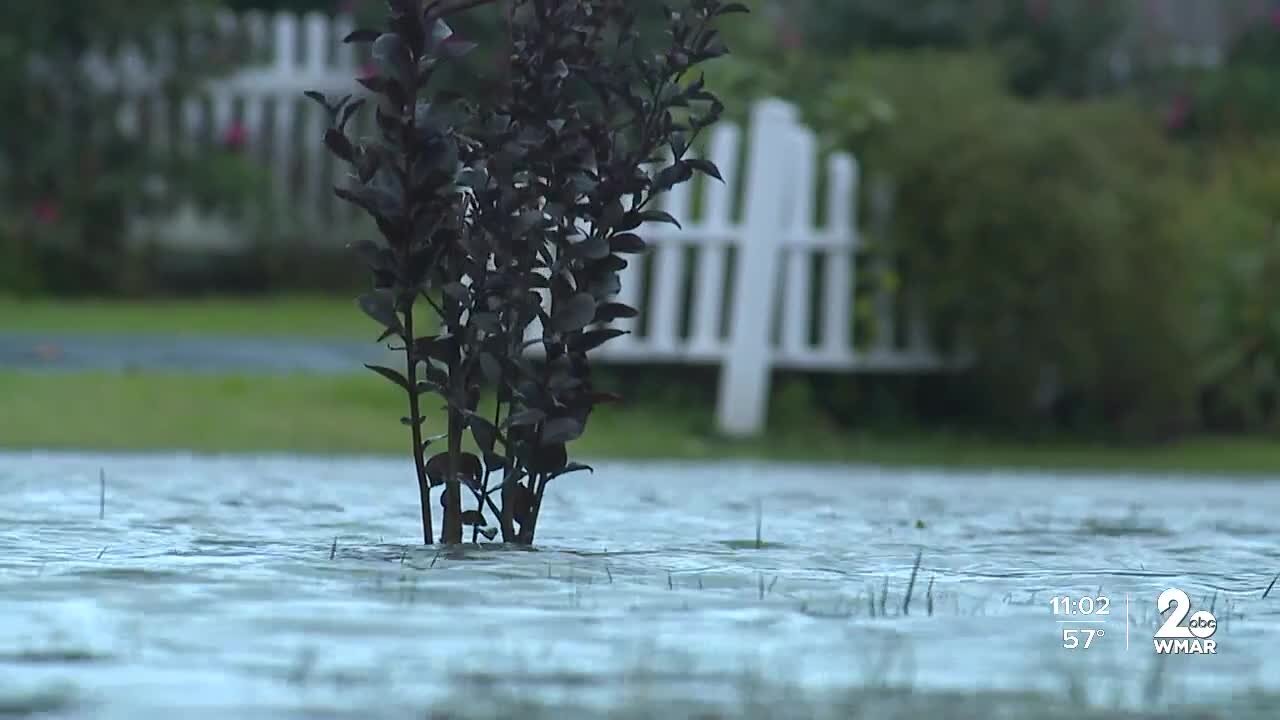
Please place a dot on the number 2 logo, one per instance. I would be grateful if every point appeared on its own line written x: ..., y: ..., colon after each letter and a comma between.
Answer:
x: 1201, y: 624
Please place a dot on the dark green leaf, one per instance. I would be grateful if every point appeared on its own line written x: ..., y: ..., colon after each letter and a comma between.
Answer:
x: 548, y: 458
x: 593, y: 339
x: 531, y: 416
x: 378, y: 203
x: 627, y: 243
x: 361, y: 36
x: 490, y: 367
x: 528, y: 220
x: 735, y: 7
x: 561, y: 430
x: 574, y: 313
x: 487, y: 321
x: 380, y: 305
x: 390, y: 374
x: 522, y: 497
x: 595, y: 248
x: 438, y: 467
x: 392, y: 56
x: 659, y: 216
x: 368, y: 251
x: 573, y: 467
x: 613, y: 263
x: 436, y: 347
x: 706, y: 167
x: 456, y: 291
x: 484, y: 433
x: 609, y: 312
x: 338, y: 144
x: 671, y: 176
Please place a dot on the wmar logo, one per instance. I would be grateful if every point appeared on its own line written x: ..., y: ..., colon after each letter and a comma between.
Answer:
x: 1176, y: 638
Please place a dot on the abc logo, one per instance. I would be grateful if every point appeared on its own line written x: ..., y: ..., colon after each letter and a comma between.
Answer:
x: 1202, y: 624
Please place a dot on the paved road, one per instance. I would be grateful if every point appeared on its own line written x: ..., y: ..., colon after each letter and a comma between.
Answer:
x: 47, y: 351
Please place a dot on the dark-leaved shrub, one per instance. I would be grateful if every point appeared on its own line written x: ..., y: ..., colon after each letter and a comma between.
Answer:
x: 509, y: 206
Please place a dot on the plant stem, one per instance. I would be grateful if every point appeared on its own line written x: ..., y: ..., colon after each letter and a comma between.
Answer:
x: 451, y: 530
x: 507, y: 519
x: 415, y: 419
x: 537, y: 486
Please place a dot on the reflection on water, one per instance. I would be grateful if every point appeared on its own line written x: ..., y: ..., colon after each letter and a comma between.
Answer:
x: 282, y: 587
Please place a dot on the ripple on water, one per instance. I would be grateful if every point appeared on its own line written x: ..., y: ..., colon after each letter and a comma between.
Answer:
x: 202, y: 595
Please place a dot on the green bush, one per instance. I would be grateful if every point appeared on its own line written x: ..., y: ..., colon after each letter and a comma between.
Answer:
x: 1043, y: 232
x: 1058, y: 48
x: 1047, y: 47
x: 1236, y: 217
x: 1240, y: 100
x: 1235, y: 101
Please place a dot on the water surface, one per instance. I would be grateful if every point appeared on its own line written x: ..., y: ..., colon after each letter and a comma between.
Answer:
x: 255, y: 587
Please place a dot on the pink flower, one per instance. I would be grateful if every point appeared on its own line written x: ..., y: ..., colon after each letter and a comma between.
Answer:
x: 46, y: 211
x: 789, y: 37
x: 1179, y: 113
x: 235, y: 137
x: 1275, y: 19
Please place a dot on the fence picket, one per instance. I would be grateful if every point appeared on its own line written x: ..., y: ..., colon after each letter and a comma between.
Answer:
x: 316, y: 46
x: 745, y: 374
x: 668, y: 271
x: 840, y: 265
x: 797, y: 255
x: 285, y: 48
x: 717, y: 218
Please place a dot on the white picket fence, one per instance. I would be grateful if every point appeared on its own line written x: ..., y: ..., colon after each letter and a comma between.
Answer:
x: 790, y: 286
x: 753, y: 282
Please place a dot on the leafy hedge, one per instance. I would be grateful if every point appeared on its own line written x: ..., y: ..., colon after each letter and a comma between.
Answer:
x: 1044, y: 232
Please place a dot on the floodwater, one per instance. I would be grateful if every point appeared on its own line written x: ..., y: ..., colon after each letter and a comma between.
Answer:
x: 274, y: 587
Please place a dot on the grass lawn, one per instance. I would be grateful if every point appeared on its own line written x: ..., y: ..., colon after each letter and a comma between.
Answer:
x: 306, y: 316
x: 359, y: 414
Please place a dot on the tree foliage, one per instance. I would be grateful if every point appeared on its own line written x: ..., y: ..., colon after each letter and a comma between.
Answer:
x: 72, y: 177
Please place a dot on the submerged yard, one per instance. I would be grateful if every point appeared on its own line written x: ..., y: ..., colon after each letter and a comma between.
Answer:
x: 248, y: 587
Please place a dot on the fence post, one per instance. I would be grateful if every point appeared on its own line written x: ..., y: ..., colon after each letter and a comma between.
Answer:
x: 744, y: 375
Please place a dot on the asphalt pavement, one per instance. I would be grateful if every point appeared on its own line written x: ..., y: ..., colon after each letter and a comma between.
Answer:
x: 112, y: 352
